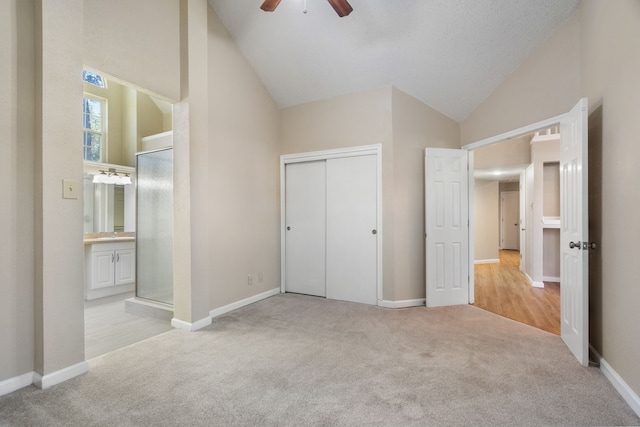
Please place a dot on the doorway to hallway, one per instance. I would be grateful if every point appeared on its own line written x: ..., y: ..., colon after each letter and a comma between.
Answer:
x: 503, y: 289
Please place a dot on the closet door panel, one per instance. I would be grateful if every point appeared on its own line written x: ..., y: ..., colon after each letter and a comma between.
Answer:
x: 351, y: 229
x: 305, y: 221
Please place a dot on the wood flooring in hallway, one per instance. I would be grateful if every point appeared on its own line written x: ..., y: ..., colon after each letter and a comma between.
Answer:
x: 503, y: 289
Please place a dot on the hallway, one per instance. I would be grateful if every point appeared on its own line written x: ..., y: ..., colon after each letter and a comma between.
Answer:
x: 502, y: 289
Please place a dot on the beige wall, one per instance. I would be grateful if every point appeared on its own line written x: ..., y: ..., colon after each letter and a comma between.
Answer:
x: 150, y: 118
x: 138, y: 42
x: 405, y: 127
x: 551, y: 189
x: 486, y: 220
x: 610, y: 34
x: 415, y: 126
x: 551, y: 253
x: 593, y: 54
x: 545, y: 85
x: 513, y: 152
x: 59, y: 327
x: 542, y: 152
x: 56, y: 313
x: 128, y: 120
x: 17, y: 175
x: 348, y: 121
x: 241, y: 200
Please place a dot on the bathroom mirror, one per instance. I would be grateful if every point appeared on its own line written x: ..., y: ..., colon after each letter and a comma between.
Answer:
x: 108, y: 207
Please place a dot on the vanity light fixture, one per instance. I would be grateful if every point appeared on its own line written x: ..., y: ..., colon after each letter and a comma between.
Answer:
x: 111, y: 177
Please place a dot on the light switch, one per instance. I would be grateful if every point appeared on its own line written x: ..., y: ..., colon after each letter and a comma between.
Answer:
x: 69, y: 189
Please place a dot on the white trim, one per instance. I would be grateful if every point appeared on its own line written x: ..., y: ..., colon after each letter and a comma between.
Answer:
x: 239, y: 304
x: 191, y: 327
x: 57, y: 377
x: 486, y: 261
x: 541, y: 138
x: 550, y: 279
x: 16, y: 383
x: 533, y: 282
x: 362, y: 150
x: 553, y: 121
x: 471, y: 185
x: 402, y: 303
x: 309, y: 156
x: 629, y: 396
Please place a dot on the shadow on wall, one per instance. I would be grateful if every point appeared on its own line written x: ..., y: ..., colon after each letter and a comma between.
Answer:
x: 595, y: 228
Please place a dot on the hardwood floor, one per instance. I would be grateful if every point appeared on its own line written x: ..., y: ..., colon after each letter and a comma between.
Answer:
x: 502, y: 289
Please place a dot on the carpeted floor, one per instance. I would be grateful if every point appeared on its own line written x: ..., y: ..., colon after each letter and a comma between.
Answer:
x: 294, y: 360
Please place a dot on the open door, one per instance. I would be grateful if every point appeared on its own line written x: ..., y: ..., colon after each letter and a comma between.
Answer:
x: 447, y: 227
x: 574, y: 232
x: 522, y: 226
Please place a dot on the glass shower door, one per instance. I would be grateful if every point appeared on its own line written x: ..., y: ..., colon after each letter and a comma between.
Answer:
x: 154, y: 226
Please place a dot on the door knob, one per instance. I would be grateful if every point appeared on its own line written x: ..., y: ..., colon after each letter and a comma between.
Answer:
x: 288, y: 228
x: 575, y: 245
x: 374, y: 231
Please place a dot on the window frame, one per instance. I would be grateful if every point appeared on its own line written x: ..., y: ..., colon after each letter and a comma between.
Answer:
x: 104, y: 126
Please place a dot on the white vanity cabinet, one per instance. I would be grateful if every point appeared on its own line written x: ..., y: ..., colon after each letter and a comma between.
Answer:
x: 110, y: 268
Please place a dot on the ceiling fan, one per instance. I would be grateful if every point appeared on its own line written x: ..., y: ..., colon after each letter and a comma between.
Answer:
x: 342, y: 7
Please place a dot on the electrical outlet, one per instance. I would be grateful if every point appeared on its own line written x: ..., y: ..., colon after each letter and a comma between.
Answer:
x: 250, y: 279
x: 259, y: 277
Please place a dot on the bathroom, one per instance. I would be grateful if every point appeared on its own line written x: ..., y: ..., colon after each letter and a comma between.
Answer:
x: 124, y: 130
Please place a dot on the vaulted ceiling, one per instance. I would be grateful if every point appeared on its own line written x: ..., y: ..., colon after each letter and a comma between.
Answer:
x: 450, y: 54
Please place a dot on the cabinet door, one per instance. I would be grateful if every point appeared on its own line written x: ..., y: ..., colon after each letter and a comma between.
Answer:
x: 102, y: 263
x: 125, y: 271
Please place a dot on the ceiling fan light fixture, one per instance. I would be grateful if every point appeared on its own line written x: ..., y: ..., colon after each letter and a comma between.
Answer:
x: 270, y: 5
x: 342, y: 7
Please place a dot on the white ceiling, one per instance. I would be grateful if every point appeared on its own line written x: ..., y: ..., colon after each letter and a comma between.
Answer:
x: 450, y: 54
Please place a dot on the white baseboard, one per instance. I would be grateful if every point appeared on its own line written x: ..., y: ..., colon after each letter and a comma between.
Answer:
x: 191, y: 327
x: 16, y: 383
x: 550, y: 279
x: 49, y: 380
x: 401, y: 304
x: 533, y: 282
x: 486, y: 261
x: 629, y: 396
x: 239, y: 304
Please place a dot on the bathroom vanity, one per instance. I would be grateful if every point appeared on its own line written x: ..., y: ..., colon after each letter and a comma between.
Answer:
x: 110, y: 265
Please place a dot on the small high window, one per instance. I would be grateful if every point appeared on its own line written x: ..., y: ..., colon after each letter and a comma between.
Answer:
x: 94, y: 79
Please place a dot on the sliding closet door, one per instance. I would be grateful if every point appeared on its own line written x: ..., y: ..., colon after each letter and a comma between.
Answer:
x: 351, y: 229
x: 305, y: 227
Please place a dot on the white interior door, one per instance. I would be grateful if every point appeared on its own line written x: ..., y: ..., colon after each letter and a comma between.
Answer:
x: 447, y: 227
x: 305, y: 222
x: 509, y: 220
x: 574, y: 220
x: 351, y: 229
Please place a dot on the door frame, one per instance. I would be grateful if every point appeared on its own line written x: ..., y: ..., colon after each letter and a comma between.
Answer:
x: 515, y: 133
x: 362, y: 150
x: 503, y: 227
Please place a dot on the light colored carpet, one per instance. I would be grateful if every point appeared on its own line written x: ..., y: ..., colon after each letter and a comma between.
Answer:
x: 294, y: 360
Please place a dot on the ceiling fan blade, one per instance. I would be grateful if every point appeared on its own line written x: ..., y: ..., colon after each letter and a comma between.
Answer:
x: 342, y: 7
x: 270, y: 5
